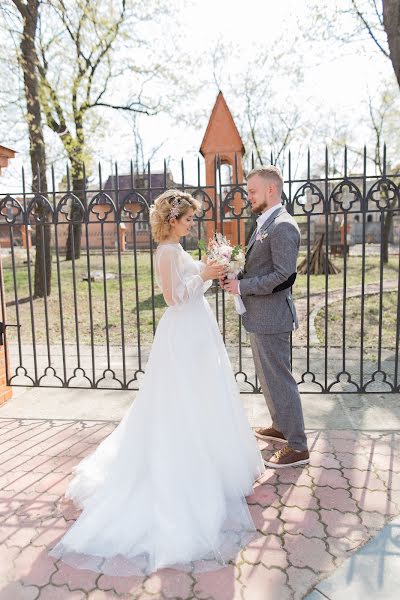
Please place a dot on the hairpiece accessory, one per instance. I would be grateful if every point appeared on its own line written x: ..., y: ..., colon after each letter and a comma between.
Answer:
x: 174, y: 211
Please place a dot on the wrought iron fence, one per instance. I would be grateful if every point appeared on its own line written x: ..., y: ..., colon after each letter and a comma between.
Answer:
x: 95, y: 328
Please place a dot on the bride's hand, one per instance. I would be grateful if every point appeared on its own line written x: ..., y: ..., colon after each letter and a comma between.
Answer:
x: 213, y: 270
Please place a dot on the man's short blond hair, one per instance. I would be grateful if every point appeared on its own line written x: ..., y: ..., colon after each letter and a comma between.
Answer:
x: 270, y: 173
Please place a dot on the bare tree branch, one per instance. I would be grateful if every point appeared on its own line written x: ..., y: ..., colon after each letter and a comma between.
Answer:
x: 369, y: 28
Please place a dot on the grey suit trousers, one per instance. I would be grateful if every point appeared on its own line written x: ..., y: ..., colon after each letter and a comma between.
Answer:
x: 271, y: 353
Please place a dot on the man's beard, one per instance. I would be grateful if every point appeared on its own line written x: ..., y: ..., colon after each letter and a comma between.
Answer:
x: 259, y: 209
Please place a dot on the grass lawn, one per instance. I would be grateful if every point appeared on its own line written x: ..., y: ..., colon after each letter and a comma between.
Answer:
x: 64, y: 313
x: 353, y: 322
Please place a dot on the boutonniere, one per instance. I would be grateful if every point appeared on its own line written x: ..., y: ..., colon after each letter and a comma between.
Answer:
x: 261, y: 236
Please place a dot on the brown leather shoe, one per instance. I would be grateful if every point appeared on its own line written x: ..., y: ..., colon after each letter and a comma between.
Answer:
x: 270, y: 434
x: 287, y: 457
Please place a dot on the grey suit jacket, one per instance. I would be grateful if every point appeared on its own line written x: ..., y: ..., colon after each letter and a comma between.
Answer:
x: 268, y: 275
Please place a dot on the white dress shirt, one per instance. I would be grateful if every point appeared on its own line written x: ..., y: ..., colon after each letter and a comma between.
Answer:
x: 266, y: 214
x: 260, y: 222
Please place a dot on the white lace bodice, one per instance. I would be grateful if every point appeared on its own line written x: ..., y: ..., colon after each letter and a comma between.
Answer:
x: 178, y: 274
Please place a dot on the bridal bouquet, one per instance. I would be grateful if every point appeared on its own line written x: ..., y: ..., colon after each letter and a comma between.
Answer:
x: 232, y: 257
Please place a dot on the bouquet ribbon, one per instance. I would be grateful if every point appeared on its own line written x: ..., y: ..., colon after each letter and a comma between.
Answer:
x: 237, y: 299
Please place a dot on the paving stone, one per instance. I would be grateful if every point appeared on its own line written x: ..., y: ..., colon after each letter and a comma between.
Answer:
x: 8, y: 479
x: 266, y: 519
x: 354, y: 461
x: 295, y: 476
x: 375, y: 501
x: 326, y: 460
x: 63, y: 464
x: 372, y: 520
x: 16, y: 591
x: 122, y: 585
x: 261, y: 582
x: 363, y: 479
x: 301, y: 496
x: 68, y: 510
x: 221, y: 584
x: 75, y: 579
x: 9, y: 503
x: 34, y: 505
x: 52, y: 592
x: 351, y: 446
x: 320, y: 444
x: 389, y: 478
x: 330, y: 477
x: 300, y: 580
x: 53, y: 483
x: 342, y: 547
x: 23, y: 482
x: 7, y: 557
x: 16, y: 463
x: 339, y: 524
x: 8, y: 528
x: 50, y: 531
x: 109, y: 595
x: 335, y: 498
x: 387, y: 463
x: 342, y: 434
x: 266, y: 549
x: 175, y: 584
x: 265, y: 495
x: 33, y: 566
x: 302, y: 521
x: 22, y: 536
x: 308, y: 552
x: 39, y: 464
x: 386, y: 447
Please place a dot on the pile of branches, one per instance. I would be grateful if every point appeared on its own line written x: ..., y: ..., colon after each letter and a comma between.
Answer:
x: 318, y: 262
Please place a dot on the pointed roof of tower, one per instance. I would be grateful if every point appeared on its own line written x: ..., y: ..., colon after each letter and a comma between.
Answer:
x: 221, y: 134
x: 5, y: 155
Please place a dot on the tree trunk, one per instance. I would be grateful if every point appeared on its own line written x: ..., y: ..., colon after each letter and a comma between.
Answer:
x: 391, y: 22
x: 387, y: 230
x: 29, y: 61
x: 73, y: 249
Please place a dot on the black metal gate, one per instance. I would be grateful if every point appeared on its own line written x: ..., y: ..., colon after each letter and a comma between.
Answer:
x: 95, y: 328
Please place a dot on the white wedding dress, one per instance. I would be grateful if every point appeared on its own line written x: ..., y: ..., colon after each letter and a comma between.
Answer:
x: 167, y: 488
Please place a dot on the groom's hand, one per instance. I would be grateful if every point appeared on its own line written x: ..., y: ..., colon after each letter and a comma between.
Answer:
x: 231, y: 286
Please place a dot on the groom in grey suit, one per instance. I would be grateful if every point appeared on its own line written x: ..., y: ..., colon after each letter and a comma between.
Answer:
x: 270, y: 316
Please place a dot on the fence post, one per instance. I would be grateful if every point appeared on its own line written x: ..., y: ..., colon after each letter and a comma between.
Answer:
x: 6, y: 391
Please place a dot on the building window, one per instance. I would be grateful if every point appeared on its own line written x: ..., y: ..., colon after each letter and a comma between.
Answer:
x: 142, y: 225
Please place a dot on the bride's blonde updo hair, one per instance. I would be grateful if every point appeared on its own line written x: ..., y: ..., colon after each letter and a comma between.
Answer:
x: 169, y: 205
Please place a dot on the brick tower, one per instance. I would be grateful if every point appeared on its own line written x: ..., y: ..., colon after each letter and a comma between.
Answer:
x: 5, y: 391
x: 222, y: 142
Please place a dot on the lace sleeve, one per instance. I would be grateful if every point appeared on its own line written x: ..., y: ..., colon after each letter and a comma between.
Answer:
x: 176, y: 287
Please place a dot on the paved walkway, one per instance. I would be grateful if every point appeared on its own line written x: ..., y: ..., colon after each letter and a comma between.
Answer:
x: 372, y: 572
x: 309, y: 520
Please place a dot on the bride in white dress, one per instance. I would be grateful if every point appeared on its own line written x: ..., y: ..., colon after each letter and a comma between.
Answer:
x: 167, y: 487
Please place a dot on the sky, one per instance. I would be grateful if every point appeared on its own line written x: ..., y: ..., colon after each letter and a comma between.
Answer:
x: 335, y: 79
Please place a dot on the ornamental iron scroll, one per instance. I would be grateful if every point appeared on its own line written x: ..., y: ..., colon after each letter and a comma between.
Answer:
x: 10, y: 209
x: 384, y: 193
x: 346, y: 196
x: 134, y: 207
x: 39, y: 208
x: 309, y: 196
x: 207, y: 205
x: 230, y: 199
x: 71, y: 207
x: 101, y: 205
